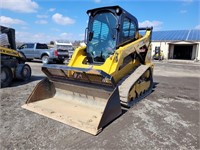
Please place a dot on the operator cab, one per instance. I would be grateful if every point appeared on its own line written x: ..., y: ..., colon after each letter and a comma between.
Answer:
x: 108, y: 29
x: 7, y: 37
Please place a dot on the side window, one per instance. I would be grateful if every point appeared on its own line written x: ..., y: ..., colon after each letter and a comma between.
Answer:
x: 30, y: 46
x: 23, y: 46
x: 41, y: 46
x: 128, y: 30
x: 27, y: 46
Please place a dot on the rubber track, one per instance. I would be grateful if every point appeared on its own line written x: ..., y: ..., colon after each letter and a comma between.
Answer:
x: 127, y: 83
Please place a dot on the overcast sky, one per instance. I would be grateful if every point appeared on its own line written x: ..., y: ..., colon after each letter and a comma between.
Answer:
x: 47, y: 20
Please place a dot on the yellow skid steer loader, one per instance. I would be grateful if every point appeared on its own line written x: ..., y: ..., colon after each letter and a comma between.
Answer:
x: 112, y: 70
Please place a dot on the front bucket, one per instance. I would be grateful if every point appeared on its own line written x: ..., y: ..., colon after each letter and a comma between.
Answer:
x: 81, y: 105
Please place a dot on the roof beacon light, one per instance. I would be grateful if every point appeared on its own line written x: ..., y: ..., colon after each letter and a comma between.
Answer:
x: 117, y: 10
x: 89, y: 13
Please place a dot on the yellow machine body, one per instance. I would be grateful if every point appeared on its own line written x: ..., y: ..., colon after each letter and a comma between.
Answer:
x: 8, y: 51
x: 114, y: 62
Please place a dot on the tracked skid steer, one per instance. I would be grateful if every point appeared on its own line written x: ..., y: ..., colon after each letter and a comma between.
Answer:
x: 111, y: 71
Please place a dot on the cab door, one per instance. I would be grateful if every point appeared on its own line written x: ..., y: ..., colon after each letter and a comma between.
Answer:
x: 28, y: 50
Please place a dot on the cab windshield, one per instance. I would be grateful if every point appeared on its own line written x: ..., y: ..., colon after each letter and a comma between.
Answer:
x: 101, y: 37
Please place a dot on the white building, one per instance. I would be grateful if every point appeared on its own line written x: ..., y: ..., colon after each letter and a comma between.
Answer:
x: 177, y: 44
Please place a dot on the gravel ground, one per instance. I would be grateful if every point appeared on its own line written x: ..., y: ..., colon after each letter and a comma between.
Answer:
x: 166, y: 119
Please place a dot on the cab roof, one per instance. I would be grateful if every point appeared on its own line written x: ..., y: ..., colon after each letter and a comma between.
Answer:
x: 112, y: 9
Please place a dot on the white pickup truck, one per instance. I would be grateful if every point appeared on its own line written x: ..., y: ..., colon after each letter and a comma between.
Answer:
x: 65, y: 50
x: 41, y: 51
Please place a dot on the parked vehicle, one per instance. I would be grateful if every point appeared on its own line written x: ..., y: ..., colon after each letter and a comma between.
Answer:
x: 65, y: 50
x: 13, y: 63
x: 39, y: 51
x: 158, y: 54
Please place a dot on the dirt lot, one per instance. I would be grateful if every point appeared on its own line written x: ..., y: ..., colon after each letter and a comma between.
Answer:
x: 166, y: 119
